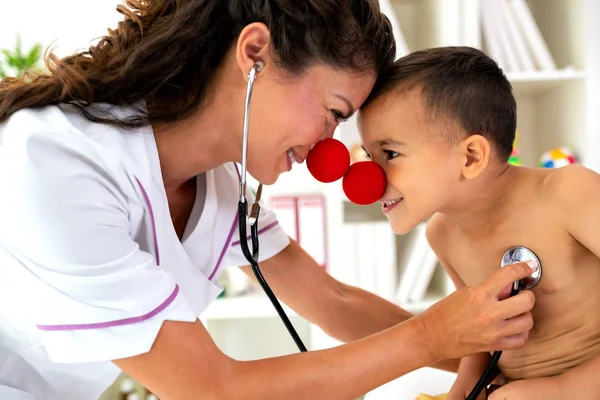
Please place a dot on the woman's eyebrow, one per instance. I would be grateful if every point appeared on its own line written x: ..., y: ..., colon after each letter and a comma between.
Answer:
x: 350, y: 106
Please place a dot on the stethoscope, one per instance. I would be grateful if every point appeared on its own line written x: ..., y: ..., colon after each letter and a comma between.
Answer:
x: 251, y: 219
x: 511, y: 256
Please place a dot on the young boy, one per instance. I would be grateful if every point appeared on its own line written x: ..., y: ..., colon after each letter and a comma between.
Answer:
x: 442, y: 123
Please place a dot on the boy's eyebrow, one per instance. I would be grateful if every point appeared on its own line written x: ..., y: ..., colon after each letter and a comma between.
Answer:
x: 389, y: 142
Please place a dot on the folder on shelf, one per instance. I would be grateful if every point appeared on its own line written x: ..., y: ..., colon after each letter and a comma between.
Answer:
x: 369, y: 258
x: 512, y: 36
x: 422, y: 281
x: 412, y: 269
x: 286, y: 210
x: 501, y: 29
x: 532, y: 34
x: 303, y: 219
x: 349, y: 269
x: 491, y: 35
x: 515, y: 37
x: 367, y: 273
x: 311, y: 227
x: 386, y: 264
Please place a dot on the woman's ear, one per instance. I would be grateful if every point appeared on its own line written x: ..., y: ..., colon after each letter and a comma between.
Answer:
x: 252, y: 46
x: 476, y: 152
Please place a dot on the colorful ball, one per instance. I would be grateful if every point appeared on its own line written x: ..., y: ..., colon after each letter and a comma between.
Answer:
x: 558, y: 157
x: 364, y: 183
x: 328, y: 161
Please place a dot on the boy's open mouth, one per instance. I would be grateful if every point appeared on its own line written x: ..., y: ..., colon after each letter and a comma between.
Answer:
x: 389, y: 204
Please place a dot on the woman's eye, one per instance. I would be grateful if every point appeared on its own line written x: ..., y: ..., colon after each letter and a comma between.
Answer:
x: 365, y: 152
x: 389, y: 154
x: 338, y: 116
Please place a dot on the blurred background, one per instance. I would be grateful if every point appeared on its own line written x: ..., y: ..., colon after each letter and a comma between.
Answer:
x: 549, y: 51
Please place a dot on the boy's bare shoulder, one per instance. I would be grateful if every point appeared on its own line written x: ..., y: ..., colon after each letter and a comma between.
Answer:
x: 563, y: 184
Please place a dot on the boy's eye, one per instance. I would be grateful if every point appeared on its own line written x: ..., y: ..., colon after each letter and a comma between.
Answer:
x: 389, y: 154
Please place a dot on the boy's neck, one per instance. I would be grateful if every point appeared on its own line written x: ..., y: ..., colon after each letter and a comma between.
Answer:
x: 487, y: 201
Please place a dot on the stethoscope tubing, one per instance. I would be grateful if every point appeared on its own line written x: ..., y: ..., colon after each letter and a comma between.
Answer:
x: 243, y: 219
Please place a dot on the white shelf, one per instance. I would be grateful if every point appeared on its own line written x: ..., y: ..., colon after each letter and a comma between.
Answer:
x: 541, y: 81
x: 243, y: 307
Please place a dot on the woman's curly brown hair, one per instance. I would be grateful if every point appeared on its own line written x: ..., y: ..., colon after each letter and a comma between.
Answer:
x: 163, y: 53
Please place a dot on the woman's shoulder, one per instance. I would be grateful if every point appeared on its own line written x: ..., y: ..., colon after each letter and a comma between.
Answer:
x: 57, y: 142
x: 66, y: 128
x: 56, y: 122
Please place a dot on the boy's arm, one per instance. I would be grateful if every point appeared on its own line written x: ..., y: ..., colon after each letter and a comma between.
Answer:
x: 577, y: 191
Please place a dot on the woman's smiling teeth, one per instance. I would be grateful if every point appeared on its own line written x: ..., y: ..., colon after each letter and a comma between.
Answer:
x: 291, y: 156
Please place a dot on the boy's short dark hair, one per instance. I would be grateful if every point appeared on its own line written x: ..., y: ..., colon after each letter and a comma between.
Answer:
x: 461, y: 83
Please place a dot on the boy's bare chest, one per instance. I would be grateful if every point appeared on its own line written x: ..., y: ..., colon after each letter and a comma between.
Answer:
x: 567, y: 299
x: 564, y: 261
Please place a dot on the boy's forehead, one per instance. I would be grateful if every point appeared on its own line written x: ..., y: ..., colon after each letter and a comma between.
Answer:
x: 397, y: 104
x: 392, y: 116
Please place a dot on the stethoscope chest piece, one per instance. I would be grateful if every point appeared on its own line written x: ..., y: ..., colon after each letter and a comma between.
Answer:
x: 523, y: 254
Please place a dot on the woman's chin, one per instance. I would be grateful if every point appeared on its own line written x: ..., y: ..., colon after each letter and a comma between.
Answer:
x: 267, y: 175
x: 270, y: 180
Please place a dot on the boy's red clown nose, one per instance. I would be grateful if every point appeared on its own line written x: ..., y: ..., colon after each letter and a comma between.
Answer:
x: 363, y: 182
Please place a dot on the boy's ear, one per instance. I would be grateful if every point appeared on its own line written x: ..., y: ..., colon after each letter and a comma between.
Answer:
x: 475, y: 155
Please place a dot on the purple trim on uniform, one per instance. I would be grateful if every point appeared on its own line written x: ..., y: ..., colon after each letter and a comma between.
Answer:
x: 262, y: 230
x: 152, y: 218
x: 110, y: 324
x: 224, y: 249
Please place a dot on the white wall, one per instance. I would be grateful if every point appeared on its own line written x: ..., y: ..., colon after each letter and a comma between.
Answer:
x: 71, y: 24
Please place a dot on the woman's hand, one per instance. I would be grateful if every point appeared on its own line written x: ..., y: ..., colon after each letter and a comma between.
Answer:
x: 480, y: 318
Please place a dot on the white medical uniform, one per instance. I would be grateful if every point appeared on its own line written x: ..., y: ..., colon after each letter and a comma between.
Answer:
x: 90, y: 263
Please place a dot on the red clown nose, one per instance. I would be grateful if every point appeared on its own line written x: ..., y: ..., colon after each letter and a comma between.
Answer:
x: 328, y: 161
x: 363, y: 182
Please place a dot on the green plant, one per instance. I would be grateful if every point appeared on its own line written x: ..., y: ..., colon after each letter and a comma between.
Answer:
x: 18, y: 61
